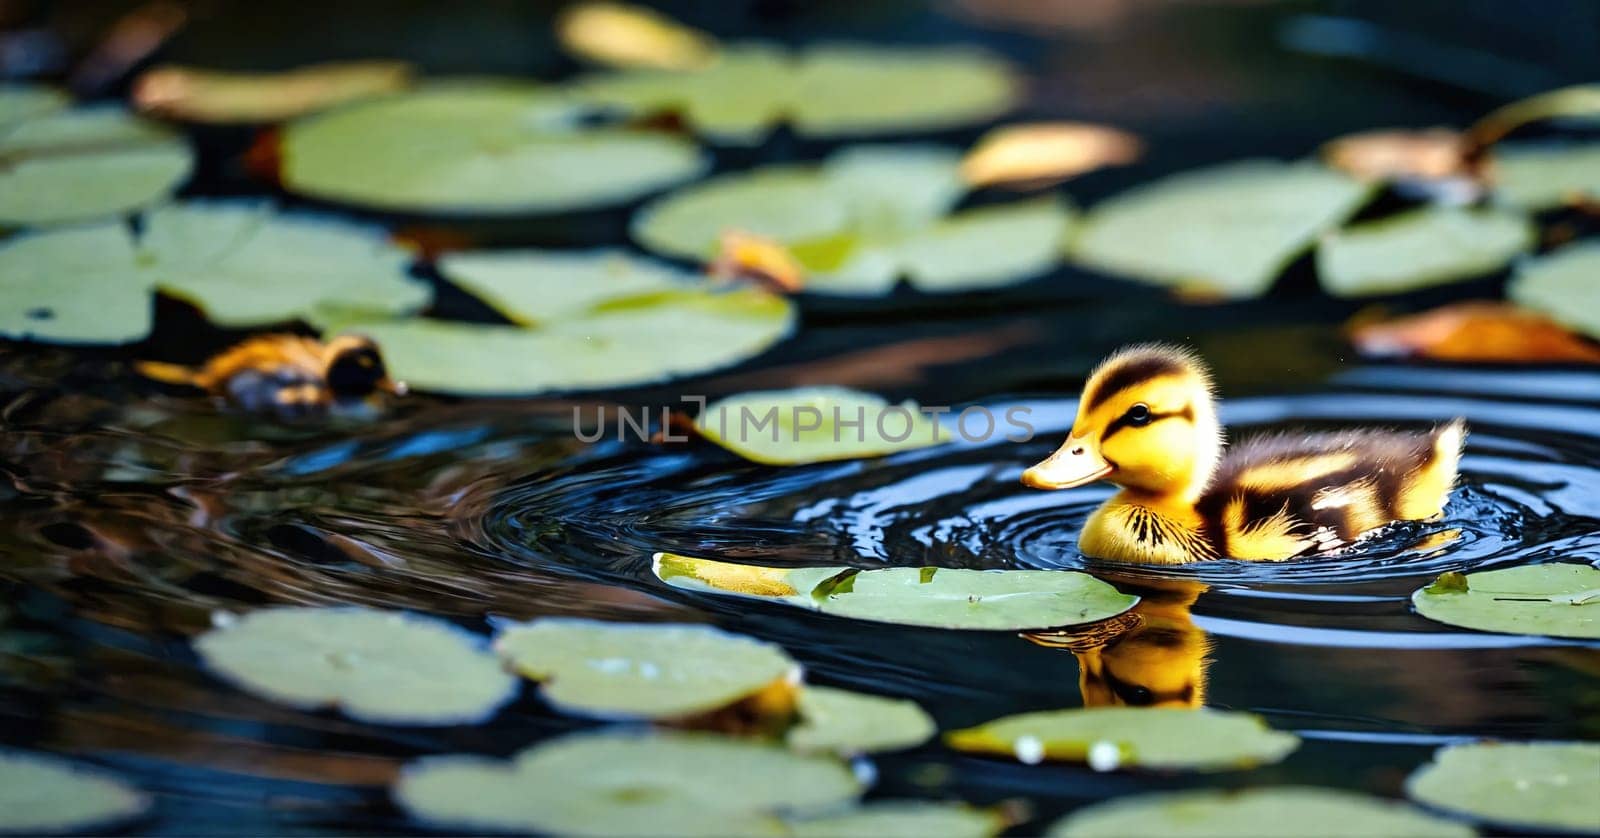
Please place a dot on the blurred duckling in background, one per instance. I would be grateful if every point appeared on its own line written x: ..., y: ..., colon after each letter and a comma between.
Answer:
x: 1147, y: 422
x: 290, y: 375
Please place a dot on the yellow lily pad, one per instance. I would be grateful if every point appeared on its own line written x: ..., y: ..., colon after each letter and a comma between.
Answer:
x: 1036, y: 153
x: 848, y: 722
x: 642, y: 671
x: 46, y: 795
x: 1418, y: 249
x: 1254, y: 813
x: 904, y: 819
x: 1555, y: 600
x: 1561, y: 286
x: 1538, y: 785
x: 1539, y: 177
x: 1128, y: 737
x: 611, y: 783
x: 221, y: 96
x: 64, y: 166
x: 536, y: 287
x: 816, y: 424
x: 378, y: 666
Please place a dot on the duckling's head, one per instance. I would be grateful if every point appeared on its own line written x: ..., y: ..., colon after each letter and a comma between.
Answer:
x: 354, y: 370
x: 1147, y: 422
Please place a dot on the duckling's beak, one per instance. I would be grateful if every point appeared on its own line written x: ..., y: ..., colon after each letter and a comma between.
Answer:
x: 1076, y: 463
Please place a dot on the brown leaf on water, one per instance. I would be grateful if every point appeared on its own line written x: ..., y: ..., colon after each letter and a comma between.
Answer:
x: 1042, y: 153
x: 759, y: 260
x: 1434, y: 161
x: 632, y: 37
x: 218, y: 96
x: 1481, y: 331
x: 1582, y: 100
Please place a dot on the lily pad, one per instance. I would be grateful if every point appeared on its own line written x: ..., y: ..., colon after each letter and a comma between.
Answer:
x: 998, y: 600
x: 491, y: 148
x: 903, y: 819
x: 1038, y: 153
x: 986, y: 248
x: 82, y: 285
x: 1228, y: 230
x: 618, y: 783
x: 1129, y: 737
x: 82, y: 164
x: 1561, y: 286
x: 645, y: 340
x: 848, y: 722
x: 22, y: 102
x: 1540, y: 177
x: 642, y: 671
x: 1420, y: 248
x: 220, y: 96
x: 628, y: 36
x: 1254, y: 813
x: 816, y: 424
x: 45, y: 795
x: 1540, y: 785
x: 831, y: 90
x: 1556, y: 600
x: 377, y: 666
x: 549, y: 286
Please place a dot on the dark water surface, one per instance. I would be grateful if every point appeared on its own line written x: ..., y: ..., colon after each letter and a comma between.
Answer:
x: 132, y: 515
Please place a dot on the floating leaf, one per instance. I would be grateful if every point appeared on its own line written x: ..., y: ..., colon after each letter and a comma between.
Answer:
x: 1476, y: 331
x: 1254, y: 813
x: 999, y: 600
x: 746, y: 257
x: 377, y: 666
x: 22, y: 102
x: 1557, y: 600
x: 1430, y: 154
x: 1040, y: 153
x: 1128, y: 737
x: 477, y: 148
x: 612, y: 783
x: 81, y: 285
x: 848, y: 722
x: 1420, y: 248
x: 1580, y: 101
x: 221, y: 96
x: 1539, y: 177
x: 816, y: 424
x: 87, y: 163
x: 986, y: 248
x: 1228, y: 229
x: 45, y: 795
x: 550, y: 286
x: 647, y: 340
x: 904, y: 819
x: 627, y: 36
x: 645, y: 671
x: 1561, y: 286
x: 1540, y: 785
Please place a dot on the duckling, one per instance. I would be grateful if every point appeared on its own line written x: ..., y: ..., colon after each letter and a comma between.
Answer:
x: 1147, y: 422
x: 289, y: 374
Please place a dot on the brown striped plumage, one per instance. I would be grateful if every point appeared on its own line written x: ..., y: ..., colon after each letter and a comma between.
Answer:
x: 288, y: 374
x: 1147, y: 423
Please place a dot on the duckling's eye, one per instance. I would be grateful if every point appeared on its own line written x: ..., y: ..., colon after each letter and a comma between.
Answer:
x: 1138, y: 415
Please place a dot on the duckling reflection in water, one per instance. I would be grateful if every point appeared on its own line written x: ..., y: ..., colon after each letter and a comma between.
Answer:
x: 290, y: 375
x: 1147, y: 422
x: 1152, y: 656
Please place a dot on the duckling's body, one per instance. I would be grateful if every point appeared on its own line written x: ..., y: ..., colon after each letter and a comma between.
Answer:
x: 288, y: 374
x: 1147, y: 422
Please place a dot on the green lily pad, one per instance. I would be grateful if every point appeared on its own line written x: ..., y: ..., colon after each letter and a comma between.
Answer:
x: 856, y: 723
x: 485, y: 147
x: 986, y: 248
x: 1420, y: 248
x: 816, y: 424
x: 1542, y: 785
x: 77, y: 165
x: 632, y: 342
x: 617, y: 783
x: 1539, y: 177
x: 22, y: 102
x: 533, y: 287
x: 829, y: 90
x: 45, y: 795
x: 1561, y: 286
x: 1132, y: 737
x: 1556, y: 600
x: 903, y: 819
x: 1228, y: 230
x: 378, y: 666
x: 998, y: 600
x: 642, y: 671
x: 1254, y: 813
x: 82, y: 285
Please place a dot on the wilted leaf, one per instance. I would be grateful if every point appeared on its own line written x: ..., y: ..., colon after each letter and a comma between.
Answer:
x: 848, y: 722
x: 1255, y: 813
x: 1040, y: 153
x: 640, y: 670
x: 1228, y: 229
x: 75, y: 165
x: 199, y: 95
x: 616, y: 783
x: 628, y: 36
x: 1477, y: 331
x: 486, y: 147
x: 1538, y: 785
x: 1430, y: 154
x: 1420, y: 248
x: 1539, y: 177
x: 1561, y: 285
x: 816, y: 424
x: 1581, y: 101
x: 1127, y: 737
x: 377, y: 666
x: 1556, y: 600
x: 42, y: 794
x: 535, y: 287
x: 747, y: 257
x: 787, y: 584
x: 904, y: 819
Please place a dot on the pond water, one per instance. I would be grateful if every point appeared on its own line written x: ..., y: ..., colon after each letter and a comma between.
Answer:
x: 133, y: 515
